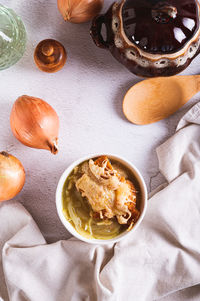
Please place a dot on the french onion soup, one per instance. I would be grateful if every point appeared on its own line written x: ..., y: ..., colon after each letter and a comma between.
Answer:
x: 101, y: 198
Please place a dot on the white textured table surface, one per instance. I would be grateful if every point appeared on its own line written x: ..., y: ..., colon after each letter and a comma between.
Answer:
x: 87, y: 95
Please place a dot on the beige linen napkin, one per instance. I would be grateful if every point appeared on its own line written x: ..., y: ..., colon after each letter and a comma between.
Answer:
x: 160, y: 261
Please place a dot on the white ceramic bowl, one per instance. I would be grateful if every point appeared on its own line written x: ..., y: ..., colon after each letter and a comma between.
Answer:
x: 143, y: 201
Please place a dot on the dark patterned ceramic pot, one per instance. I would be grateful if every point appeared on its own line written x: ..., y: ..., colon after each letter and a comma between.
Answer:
x: 151, y: 37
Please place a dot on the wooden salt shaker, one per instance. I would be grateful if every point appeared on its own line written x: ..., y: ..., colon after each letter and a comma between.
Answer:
x: 50, y: 56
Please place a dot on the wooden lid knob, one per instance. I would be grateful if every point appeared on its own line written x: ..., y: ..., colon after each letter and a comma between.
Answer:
x: 50, y: 55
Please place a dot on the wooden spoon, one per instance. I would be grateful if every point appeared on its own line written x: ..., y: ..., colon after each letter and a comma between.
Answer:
x: 157, y: 98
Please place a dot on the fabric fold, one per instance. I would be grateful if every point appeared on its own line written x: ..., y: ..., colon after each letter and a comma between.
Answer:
x: 181, y: 152
x: 159, y: 261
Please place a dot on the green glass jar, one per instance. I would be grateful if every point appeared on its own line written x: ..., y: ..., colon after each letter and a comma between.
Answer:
x: 12, y: 37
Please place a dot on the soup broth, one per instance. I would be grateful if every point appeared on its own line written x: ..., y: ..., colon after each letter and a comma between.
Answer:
x: 79, y: 213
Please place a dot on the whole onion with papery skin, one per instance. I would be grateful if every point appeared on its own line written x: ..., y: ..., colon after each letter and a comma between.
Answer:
x: 35, y: 123
x: 12, y: 176
x: 79, y: 11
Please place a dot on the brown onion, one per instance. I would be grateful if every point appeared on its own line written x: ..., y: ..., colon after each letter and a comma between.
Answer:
x: 79, y: 11
x: 35, y: 123
x: 12, y: 176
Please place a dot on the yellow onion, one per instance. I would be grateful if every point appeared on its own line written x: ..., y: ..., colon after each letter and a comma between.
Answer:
x: 35, y: 123
x: 12, y: 176
x: 79, y: 11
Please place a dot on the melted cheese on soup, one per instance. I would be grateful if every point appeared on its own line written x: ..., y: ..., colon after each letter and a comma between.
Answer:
x: 108, y: 193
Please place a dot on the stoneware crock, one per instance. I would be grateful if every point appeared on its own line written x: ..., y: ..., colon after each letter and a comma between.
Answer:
x: 151, y: 37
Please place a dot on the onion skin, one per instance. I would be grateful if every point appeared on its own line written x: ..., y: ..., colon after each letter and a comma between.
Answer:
x: 79, y: 11
x: 35, y: 123
x: 12, y: 176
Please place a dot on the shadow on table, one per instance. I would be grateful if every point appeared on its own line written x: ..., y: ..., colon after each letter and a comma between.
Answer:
x: 82, y: 50
x: 8, y: 140
x: 44, y: 21
x: 38, y: 197
x: 119, y: 96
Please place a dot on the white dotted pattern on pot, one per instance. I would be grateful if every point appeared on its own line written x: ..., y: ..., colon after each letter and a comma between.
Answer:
x: 143, y: 61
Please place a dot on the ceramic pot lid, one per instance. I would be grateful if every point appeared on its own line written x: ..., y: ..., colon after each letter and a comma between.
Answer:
x: 160, y: 27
